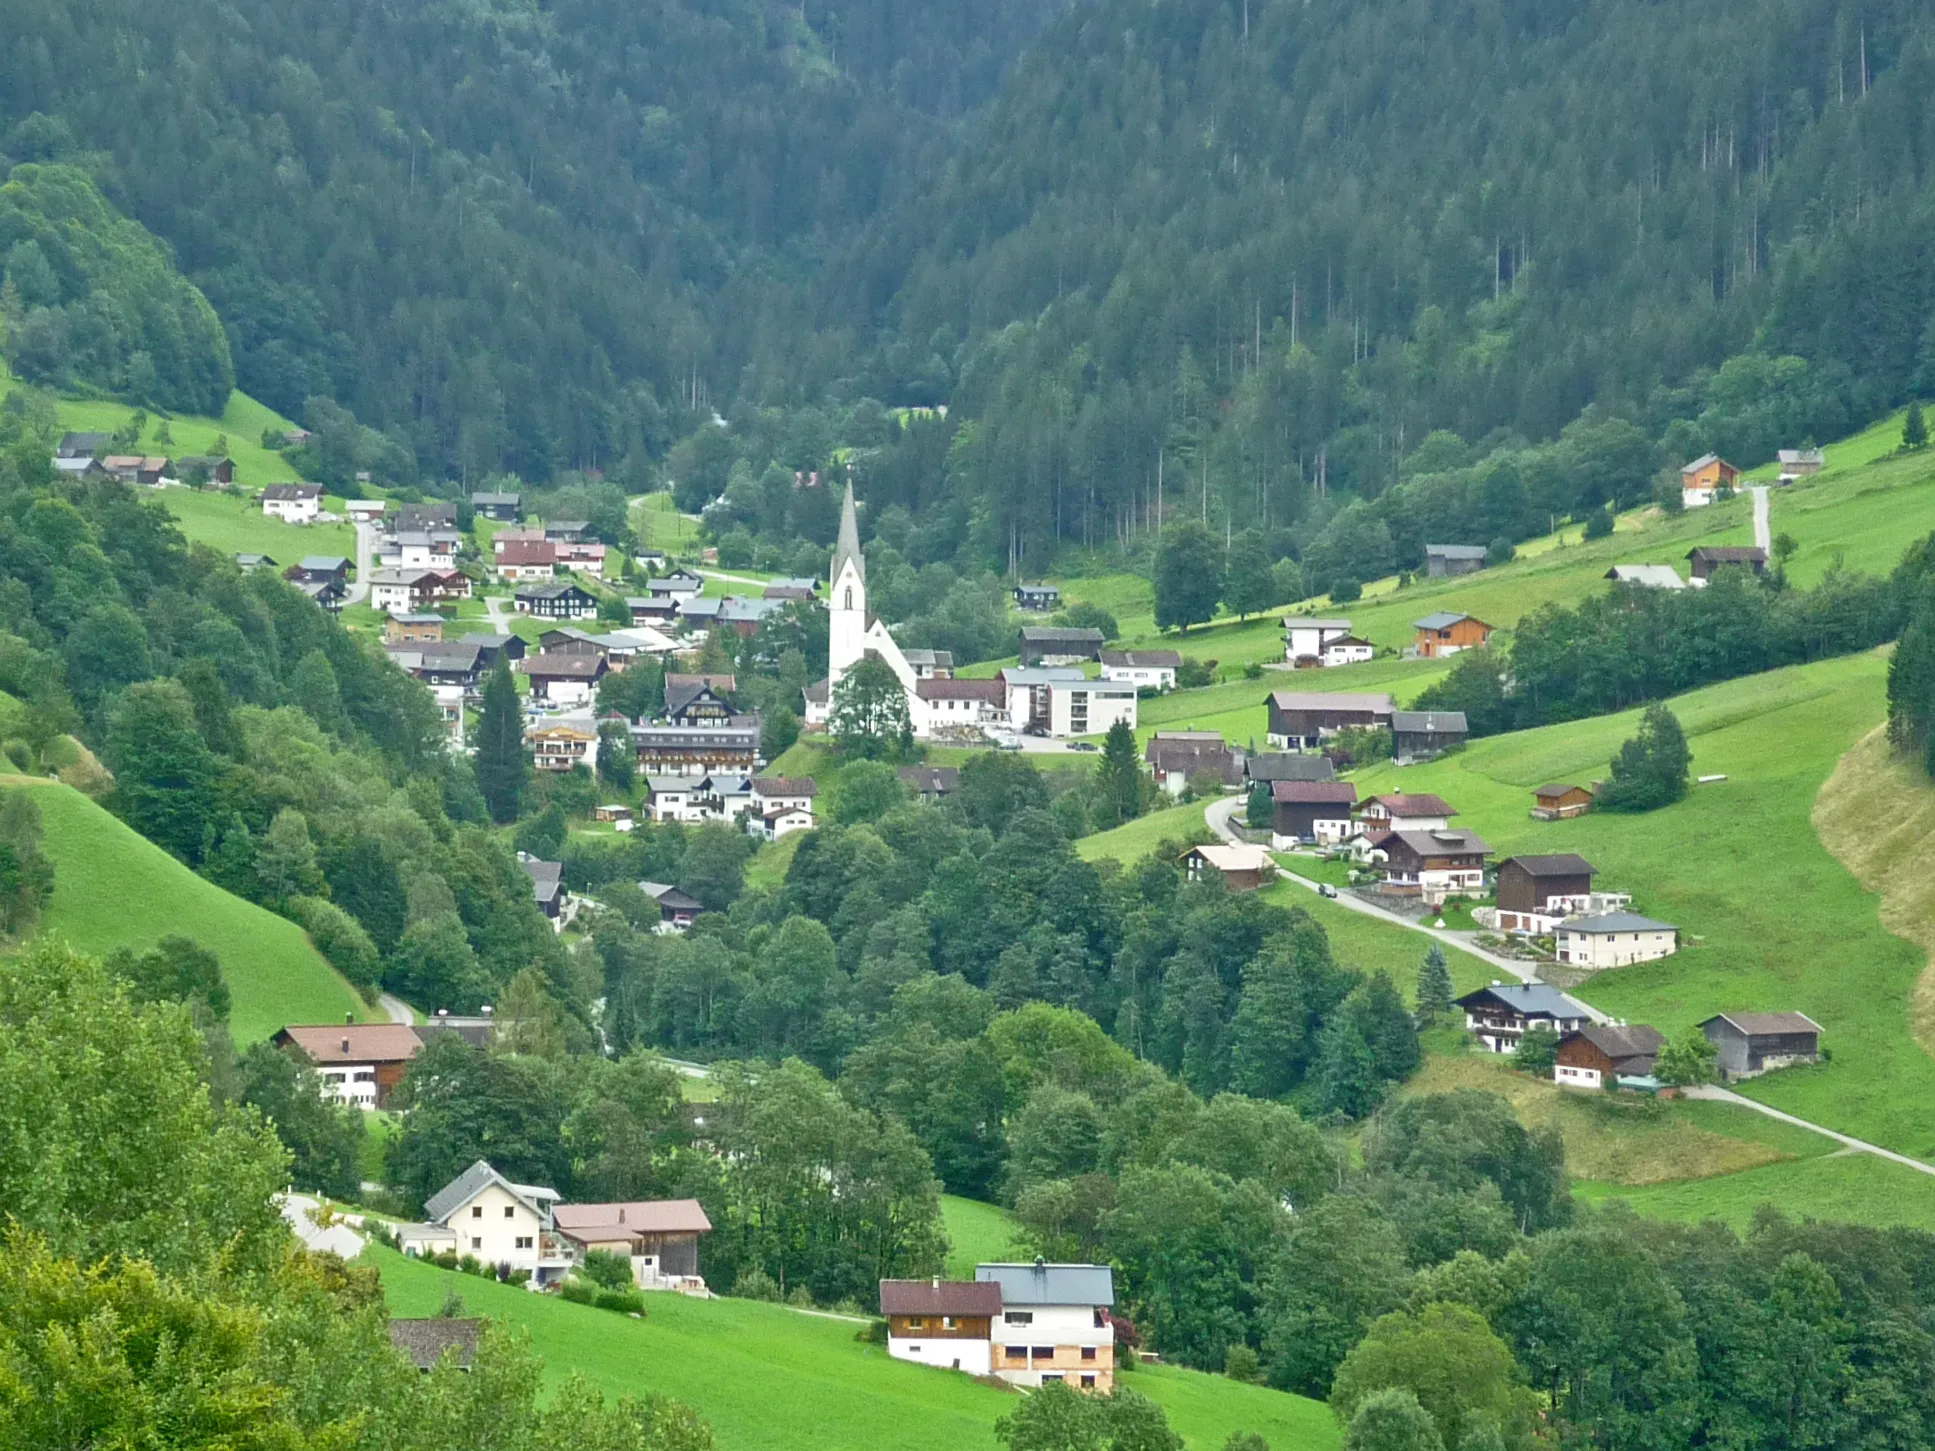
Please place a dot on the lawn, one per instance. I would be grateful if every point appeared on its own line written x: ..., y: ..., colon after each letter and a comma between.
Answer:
x: 1181, y: 825
x: 113, y: 888
x: 977, y: 1234
x: 1769, y: 918
x: 818, y: 1387
x: 659, y: 525
x: 230, y: 524
x: 1847, y: 1186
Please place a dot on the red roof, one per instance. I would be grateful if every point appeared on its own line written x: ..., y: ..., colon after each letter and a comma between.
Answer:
x: 526, y: 552
x: 992, y: 691
x: 1415, y: 805
x: 354, y: 1042
x: 940, y: 1297
x: 638, y: 1216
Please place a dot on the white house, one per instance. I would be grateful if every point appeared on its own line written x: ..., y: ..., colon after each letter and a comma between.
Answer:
x: 1614, y: 939
x: 427, y: 549
x: 783, y: 821
x: 499, y: 1222
x: 366, y: 511
x: 1059, y: 700
x: 1144, y: 669
x: 676, y: 798
x: 1304, y: 639
x: 783, y: 793
x: 293, y: 503
x: 354, y: 1063
x: 1055, y: 1324
x: 1346, y: 650
x: 399, y: 591
x: 947, y: 1324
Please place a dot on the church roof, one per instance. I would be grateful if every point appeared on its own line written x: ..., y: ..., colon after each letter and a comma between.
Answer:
x: 849, y: 545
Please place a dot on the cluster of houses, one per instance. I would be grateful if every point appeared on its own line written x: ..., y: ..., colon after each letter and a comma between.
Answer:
x: 1027, y: 1324
x: 86, y: 455
x: 1305, y: 721
x: 1602, y: 1054
x: 1703, y: 562
x: 1709, y: 476
x: 529, y: 1230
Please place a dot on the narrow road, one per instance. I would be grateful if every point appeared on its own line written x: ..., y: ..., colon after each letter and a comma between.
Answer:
x: 1763, y: 524
x: 365, y: 551
x: 1218, y: 816
x: 337, y: 1238
x: 399, y: 1011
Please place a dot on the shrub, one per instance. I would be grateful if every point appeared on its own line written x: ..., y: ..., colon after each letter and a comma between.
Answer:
x: 578, y: 1291
x: 755, y: 1284
x: 625, y: 1302
x: 1193, y: 673
x: 1538, y: 1050
x: 1241, y: 1363
x: 1343, y: 591
x: 607, y: 1269
x: 1599, y: 523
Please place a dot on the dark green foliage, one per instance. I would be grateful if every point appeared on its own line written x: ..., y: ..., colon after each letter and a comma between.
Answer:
x: 1248, y: 585
x: 99, y: 300
x: 1344, y: 590
x: 1599, y: 523
x: 1189, y: 576
x: 1258, y: 811
x: 542, y: 836
x: 1059, y: 1418
x: 26, y: 877
x: 617, y: 758
x: 1082, y: 616
x: 777, y: 735
x: 1537, y: 1051
x: 1461, y: 1139
x: 1434, y: 987
x: 869, y: 714
x: 502, y: 764
x: 324, y: 1139
x: 1391, y: 1420
x: 607, y: 1269
x: 868, y: 791
x: 1914, y: 429
x: 1118, y: 778
x: 176, y: 969
x: 1650, y: 770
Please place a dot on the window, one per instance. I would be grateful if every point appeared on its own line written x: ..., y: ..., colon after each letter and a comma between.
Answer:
x: 477, y: 1242
x: 1017, y: 1352
x: 1020, y: 1317
x: 1088, y: 1352
x: 1044, y: 1352
x: 524, y: 1241
x: 476, y: 1211
x: 849, y: 598
x: 948, y: 1322
x: 1088, y: 1382
x: 1054, y: 1376
x: 510, y: 1211
x: 916, y: 1322
x: 1101, y: 1319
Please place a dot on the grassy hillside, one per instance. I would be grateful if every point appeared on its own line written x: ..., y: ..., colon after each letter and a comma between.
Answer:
x: 1769, y: 918
x: 977, y: 1233
x: 113, y: 888
x: 773, y: 1379
x: 233, y: 525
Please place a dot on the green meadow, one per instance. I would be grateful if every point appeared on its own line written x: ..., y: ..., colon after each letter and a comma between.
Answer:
x: 114, y: 888
x: 977, y: 1234
x: 770, y: 1378
x: 232, y: 524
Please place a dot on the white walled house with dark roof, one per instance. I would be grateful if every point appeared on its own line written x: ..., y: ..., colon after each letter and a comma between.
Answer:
x: 1613, y: 939
x: 1504, y: 1012
x: 947, y: 1324
x: 1055, y: 1324
x: 293, y: 503
x: 1144, y: 669
x: 1307, y: 639
x: 500, y: 1223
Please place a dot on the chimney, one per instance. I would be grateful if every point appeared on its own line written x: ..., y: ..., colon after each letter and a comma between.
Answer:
x: 937, y: 1282
x: 348, y: 1018
x: 621, y: 1214
x: 487, y: 1010
x: 346, y: 1045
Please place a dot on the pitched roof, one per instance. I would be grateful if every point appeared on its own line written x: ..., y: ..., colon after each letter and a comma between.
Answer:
x: 1311, y: 622
x: 1728, y: 554
x: 1614, y: 922
x: 490, y: 500
x: 1061, y: 635
x: 1401, y: 804
x: 848, y: 545
x: 1762, y: 1024
x: 1557, y: 788
x: 1652, y: 576
x: 931, y: 780
x: 1286, y: 766
x: 559, y: 666
x: 681, y: 691
x: 940, y: 1297
x: 1233, y: 857
x: 1313, y: 793
x: 1320, y: 700
x: 324, y: 563
x: 547, y: 591
x: 1443, y: 620
x: 636, y: 1216
x: 1625, y: 1041
x: 425, y: 1341
x: 354, y: 1042
x: 1456, y: 551
x: 784, y: 786
x: 1143, y: 659
x: 472, y: 1182
x: 1443, y: 843
x: 1532, y: 999
x: 1554, y: 864
x: 1045, y: 1284
x: 1701, y: 462
x: 1429, y: 722
x: 292, y: 491
x: 671, y: 897
x: 527, y: 552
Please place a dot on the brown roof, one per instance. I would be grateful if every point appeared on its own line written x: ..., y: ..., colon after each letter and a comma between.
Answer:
x: 1625, y: 1041
x: 784, y: 786
x: 1316, y: 700
x: 526, y: 551
x: 562, y: 666
x: 1557, y: 788
x: 992, y: 691
x: 940, y: 1297
x: 638, y: 1216
x: 1420, y: 804
x: 1313, y: 793
x: 354, y: 1042
x: 1729, y: 554
x: 725, y: 684
x: 1558, y: 864
x: 1144, y: 659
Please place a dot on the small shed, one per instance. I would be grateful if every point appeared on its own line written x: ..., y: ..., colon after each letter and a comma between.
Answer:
x: 1710, y: 557
x: 1037, y: 597
x: 1444, y: 560
x: 1243, y: 868
x: 1556, y: 800
x: 1750, y: 1044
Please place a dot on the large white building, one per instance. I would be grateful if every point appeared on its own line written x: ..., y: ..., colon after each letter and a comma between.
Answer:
x: 1059, y: 700
x: 1054, y: 1324
x: 483, y: 1214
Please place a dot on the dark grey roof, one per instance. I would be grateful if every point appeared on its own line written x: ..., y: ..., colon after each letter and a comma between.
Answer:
x: 489, y: 500
x: 1044, y: 1284
x: 671, y: 897
x: 1626, y: 1042
x: 1429, y: 722
x: 1440, y: 620
x: 1615, y: 922
x: 1144, y: 659
x: 466, y: 1187
x: 1756, y: 1025
x: 1061, y: 635
x: 1532, y: 999
x: 549, y: 591
x: 1285, y: 766
x: 1554, y: 864
x: 932, y: 780
x: 1456, y: 551
x: 426, y: 1341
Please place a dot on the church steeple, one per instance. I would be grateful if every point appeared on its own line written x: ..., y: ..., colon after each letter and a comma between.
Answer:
x: 849, y: 545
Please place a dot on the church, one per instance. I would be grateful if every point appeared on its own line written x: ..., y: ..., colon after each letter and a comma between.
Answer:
x: 934, y: 701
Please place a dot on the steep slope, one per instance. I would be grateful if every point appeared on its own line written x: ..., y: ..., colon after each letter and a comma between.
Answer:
x: 113, y: 889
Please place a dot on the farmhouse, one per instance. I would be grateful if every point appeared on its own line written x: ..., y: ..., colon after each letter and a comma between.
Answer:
x: 1059, y: 645
x: 659, y: 1236
x: 1602, y: 1053
x: 1419, y: 735
x: 555, y: 602
x: 501, y: 1223
x: 1055, y: 1324
x: 1305, y: 639
x: 493, y: 647
x: 1750, y: 1044
x: 1037, y: 597
x: 365, y: 511
x: 675, y: 798
x: 331, y: 594
x: 1144, y: 669
x: 498, y: 506
x: 293, y: 503
x: 78, y: 468
x: 563, y: 679
x: 1614, y: 939
x: 443, y: 663
x: 1504, y: 1012
x: 1710, y: 557
x: 1413, y: 811
x: 944, y: 1323
x: 1799, y: 463
x: 1444, y: 632
x: 1303, y: 720
x: 83, y: 445
x: 404, y: 591
x: 413, y: 627
x: 775, y: 793
x: 931, y: 783
x: 435, y: 514
x: 1702, y: 480
x: 1534, y: 891
x: 1434, y: 865
x: 358, y: 1063
x: 249, y: 562
x: 148, y: 469
x: 1556, y: 800
x: 518, y: 560
x: 1444, y: 560
x: 693, y: 700
x: 1310, y: 811
x: 1646, y: 576
x: 206, y: 469
x: 1272, y: 766
x: 942, y: 702
x: 1177, y: 757
x: 313, y: 567
x: 798, y: 588
x: 1243, y: 868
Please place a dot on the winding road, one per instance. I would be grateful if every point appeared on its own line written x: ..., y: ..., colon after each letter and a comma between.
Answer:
x: 1219, y: 815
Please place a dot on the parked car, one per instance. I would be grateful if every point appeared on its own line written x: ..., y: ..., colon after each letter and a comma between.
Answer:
x: 1083, y: 746
x: 1324, y: 889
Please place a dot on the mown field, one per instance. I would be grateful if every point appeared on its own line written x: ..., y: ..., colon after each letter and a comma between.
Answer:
x: 114, y: 888
x: 232, y: 525
x: 770, y: 1378
x: 977, y: 1234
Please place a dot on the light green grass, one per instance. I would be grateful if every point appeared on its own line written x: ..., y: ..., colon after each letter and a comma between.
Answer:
x: 772, y: 1379
x: 1769, y: 919
x: 1850, y: 1187
x: 771, y: 862
x: 113, y: 888
x: 977, y: 1234
x: 1136, y: 839
x: 659, y: 525
x: 233, y: 525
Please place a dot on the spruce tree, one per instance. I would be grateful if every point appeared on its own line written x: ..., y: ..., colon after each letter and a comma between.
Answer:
x: 502, y: 767
x: 1434, y: 987
x: 1914, y: 429
x: 1118, y: 776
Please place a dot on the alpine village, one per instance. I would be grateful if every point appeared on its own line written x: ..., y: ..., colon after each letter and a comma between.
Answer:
x: 1053, y: 725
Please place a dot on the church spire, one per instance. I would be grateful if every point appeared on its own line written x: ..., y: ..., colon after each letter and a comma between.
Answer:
x: 849, y: 545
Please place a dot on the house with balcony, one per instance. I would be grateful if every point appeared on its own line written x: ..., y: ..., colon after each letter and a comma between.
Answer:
x: 1054, y: 1325
x: 482, y: 1214
x: 354, y: 1063
x: 1433, y: 865
x: 1505, y: 1012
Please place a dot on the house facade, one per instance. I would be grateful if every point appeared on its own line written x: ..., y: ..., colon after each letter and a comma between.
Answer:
x: 1059, y: 645
x: 1305, y: 639
x: 293, y: 503
x: 1558, y: 800
x: 1307, y: 812
x: 563, y: 679
x: 403, y: 591
x: 1144, y: 669
x: 1708, y: 558
x: 1420, y: 735
x: 1603, y: 1055
x: 1799, y: 463
x: 942, y: 703
x: 1303, y: 720
x: 555, y: 602
x: 355, y: 1063
x: 498, y: 1222
x: 659, y: 1236
x: 1434, y: 865
x: 1702, y: 480
x: 1503, y: 1013
x: 1243, y: 868
x: 698, y: 750
x: 1547, y: 886
x: 1445, y: 632
x: 1060, y: 701
x: 1750, y: 1044
x: 1406, y: 811
x: 1442, y: 561
x: 496, y: 506
x: 1174, y: 757
x: 1055, y: 1324
x: 1037, y: 597
x: 1613, y: 939
x: 947, y: 1324
x: 558, y: 745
